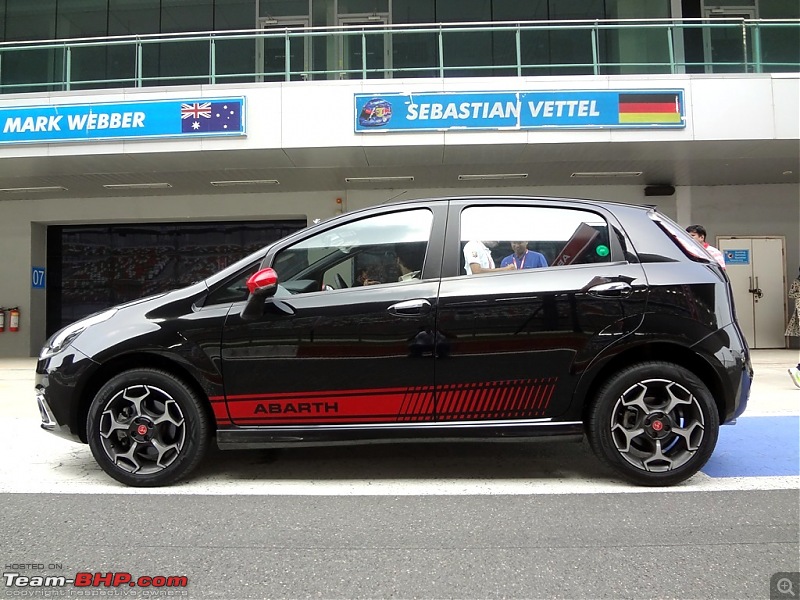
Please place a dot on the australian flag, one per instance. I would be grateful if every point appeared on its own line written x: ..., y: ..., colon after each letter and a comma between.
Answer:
x: 211, y: 117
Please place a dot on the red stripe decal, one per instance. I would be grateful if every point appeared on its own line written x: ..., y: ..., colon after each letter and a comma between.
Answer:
x: 648, y: 107
x: 514, y: 399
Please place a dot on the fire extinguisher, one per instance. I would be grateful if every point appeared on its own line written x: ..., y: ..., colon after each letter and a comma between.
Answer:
x: 2, y: 319
x: 13, y: 319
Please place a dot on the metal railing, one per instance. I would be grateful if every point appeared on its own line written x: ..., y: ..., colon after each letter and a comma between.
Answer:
x: 417, y: 50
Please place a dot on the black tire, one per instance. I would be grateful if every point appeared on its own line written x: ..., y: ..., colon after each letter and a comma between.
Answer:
x: 147, y: 428
x: 654, y: 423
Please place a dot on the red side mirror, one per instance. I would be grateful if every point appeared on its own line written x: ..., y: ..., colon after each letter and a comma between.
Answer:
x: 262, y: 281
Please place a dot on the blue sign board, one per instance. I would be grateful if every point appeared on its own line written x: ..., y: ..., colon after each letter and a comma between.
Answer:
x: 38, y: 278
x: 737, y: 257
x: 123, y: 120
x: 519, y: 110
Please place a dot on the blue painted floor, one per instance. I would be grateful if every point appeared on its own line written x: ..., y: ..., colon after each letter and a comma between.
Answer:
x: 757, y: 447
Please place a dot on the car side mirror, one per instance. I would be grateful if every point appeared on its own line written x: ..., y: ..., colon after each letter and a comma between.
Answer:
x: 262, y: 285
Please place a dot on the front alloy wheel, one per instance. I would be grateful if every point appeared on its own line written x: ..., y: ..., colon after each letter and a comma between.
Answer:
x: 147, y: 428
x: 654, y: 423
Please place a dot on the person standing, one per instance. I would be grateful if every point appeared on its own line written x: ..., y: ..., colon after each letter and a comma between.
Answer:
x: 698, y: 232
x: 522, y: 258
x: 793, y: 328
x: 478, y: 258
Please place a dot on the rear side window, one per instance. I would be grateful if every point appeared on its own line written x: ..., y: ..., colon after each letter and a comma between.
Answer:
x: 534, y: 236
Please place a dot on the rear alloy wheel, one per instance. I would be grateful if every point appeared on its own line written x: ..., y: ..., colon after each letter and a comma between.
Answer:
x: 656, y: 424
x: 147, y: 428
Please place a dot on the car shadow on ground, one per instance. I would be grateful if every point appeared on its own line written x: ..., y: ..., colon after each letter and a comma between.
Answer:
x: 419, y: 461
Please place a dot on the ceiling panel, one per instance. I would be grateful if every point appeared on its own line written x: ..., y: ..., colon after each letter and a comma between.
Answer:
x: 676, y: 163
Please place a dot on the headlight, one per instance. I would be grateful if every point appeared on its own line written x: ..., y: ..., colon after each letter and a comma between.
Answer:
x: 64, y: 338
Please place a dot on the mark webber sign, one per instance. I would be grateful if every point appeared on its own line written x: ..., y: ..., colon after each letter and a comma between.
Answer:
x: 123, y: 120
x: 519, y: 110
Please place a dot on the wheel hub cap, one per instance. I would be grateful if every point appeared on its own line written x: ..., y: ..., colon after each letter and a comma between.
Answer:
x: 657, y: 426
x: 142, y: 429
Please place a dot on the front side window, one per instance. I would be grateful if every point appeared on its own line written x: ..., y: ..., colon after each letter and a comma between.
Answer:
x: 512, y: 238
x: 386, y: 248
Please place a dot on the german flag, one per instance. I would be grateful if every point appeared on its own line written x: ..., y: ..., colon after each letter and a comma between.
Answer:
x: 650, y: 108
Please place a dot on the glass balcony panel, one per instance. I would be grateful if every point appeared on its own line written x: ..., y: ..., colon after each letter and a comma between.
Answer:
x: 728, y: 48
x: 274, y: 67
x: 354, y: 46
x: 535, y: 52
x: 415, y: 54
x: 89, y: 69
x: 467, y: 54
x: 635, y: 50
x: 570, y: 52
x: 234, y: 60
x: 121, y: 62
x: 780, y: 48
x: 175, y: 62
x: 32, y: 70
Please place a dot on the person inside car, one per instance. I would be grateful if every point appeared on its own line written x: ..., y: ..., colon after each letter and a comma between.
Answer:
x: 478, y: 258
x: 522, y: 258
x: 409, y: 261
x: 370, y: 275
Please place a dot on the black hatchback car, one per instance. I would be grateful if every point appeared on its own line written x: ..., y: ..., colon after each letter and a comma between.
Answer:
x: 371, y: 327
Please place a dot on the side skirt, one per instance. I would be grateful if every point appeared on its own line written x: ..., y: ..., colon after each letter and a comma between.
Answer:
x: 238, y: 438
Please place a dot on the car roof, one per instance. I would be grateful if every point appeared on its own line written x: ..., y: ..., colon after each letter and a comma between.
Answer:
x: 480, y: 198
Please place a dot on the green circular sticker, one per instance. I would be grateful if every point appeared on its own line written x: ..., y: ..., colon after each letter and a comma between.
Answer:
x: 602, y: 250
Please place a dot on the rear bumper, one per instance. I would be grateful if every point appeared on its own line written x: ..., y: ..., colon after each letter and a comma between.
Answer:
x: 745, y: 384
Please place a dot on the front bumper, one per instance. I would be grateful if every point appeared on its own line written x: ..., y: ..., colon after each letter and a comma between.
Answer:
x: 60, y: 383
x: 49, y: 422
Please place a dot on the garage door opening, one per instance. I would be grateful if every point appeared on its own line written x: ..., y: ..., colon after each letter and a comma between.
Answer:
x: 92, y: 267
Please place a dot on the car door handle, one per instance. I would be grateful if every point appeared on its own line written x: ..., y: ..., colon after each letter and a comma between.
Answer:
x: 615, y: 289
x: 410, y: 308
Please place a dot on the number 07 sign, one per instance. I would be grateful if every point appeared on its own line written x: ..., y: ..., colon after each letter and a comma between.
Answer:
x: 38, y: 278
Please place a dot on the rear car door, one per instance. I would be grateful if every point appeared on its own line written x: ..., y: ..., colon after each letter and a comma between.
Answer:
x: 517, y: 341
x: 346, y: 340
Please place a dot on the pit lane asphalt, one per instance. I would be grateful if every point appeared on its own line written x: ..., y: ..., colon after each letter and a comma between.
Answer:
x: 427, y: 521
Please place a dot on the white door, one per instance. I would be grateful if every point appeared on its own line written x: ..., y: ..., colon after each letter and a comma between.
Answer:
x: 756, y: 267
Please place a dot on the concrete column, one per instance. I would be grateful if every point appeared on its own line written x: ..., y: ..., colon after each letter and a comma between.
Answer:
x: 683, y: 205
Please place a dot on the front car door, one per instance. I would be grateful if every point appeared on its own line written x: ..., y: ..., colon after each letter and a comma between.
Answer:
x: 518, y: 340
x: 347, y: 340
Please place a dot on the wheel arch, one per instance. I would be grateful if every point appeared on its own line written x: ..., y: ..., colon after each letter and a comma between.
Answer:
x: 657, y: 351
x: 141, y: 360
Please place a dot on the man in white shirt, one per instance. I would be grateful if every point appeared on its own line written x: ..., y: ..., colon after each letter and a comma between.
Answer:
x: 698, y: 232
x: 478, y: 258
